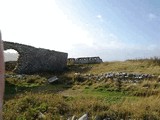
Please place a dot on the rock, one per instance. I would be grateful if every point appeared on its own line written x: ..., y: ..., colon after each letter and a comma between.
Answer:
x: 158, y: 78
x: 123, y: 76
x: 107, y: 118
x: 41, y: 116
x: 19, y: 76
x: 53, y: 79
x: 77, y: 74
x: 98, y: 118
x: 74, y: 117
x: 84, y: 117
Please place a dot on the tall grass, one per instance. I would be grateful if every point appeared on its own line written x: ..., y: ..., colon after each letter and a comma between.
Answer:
x: 151, y: 61
x: 30, y: 106
x: 107, y: 98
x: 148, y: 66
x: 144, y: 108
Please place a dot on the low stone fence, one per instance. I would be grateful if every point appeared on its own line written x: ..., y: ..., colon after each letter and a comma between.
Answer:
x: 122, y: 76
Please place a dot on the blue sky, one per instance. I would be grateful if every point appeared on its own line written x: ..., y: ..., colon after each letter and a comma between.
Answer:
x: 111, y: 29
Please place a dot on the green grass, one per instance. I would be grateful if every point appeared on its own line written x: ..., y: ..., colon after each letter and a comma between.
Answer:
x: 31, y: 97
x: 108, y: 96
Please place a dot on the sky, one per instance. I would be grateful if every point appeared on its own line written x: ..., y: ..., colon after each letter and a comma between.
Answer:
x: 110, y: 29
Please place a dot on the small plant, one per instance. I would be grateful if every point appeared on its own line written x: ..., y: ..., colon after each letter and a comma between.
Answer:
x: 119, y: 84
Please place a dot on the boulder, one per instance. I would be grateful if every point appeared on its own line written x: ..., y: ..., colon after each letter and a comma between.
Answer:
x: 53, y: 79
x: 84, y: 117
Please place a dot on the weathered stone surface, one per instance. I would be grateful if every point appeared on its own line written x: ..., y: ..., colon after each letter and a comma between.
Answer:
x: 84, y: 60
x: 41, y: 116
x: 53, y: 79
x: 122, y: 76
x: 84, y: 117
x: 33, y: 59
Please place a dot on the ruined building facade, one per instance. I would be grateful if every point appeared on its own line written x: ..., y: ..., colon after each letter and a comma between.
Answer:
x: 84, y: 60
x: 33, y: 60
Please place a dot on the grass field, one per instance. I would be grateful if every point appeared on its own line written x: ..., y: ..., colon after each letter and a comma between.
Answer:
x: 32, y: 98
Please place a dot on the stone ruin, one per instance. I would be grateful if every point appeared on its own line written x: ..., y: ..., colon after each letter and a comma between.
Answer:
x: 34, y: 60
x: 84, y: 60
x: 115, y: 76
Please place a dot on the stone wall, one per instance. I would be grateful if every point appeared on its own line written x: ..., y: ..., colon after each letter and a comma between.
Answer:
x: 84, y: 60
x: 115, y: 76
x: 32, y: 60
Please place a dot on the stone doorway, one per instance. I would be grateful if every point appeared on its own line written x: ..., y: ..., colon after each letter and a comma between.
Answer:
x: 10, y: 57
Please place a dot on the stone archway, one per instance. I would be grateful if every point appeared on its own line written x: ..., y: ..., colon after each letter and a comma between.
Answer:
x: 10, y: 57
x: 32, y: 60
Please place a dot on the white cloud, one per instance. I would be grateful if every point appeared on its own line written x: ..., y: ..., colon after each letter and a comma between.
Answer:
x: 110, y: 47
x: 108, y: 40
x: 152, y: 16
x: 41, y: 24
x: 100, y: 17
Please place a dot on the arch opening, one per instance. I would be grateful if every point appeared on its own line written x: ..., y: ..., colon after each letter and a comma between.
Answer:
x: 10, y: 57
